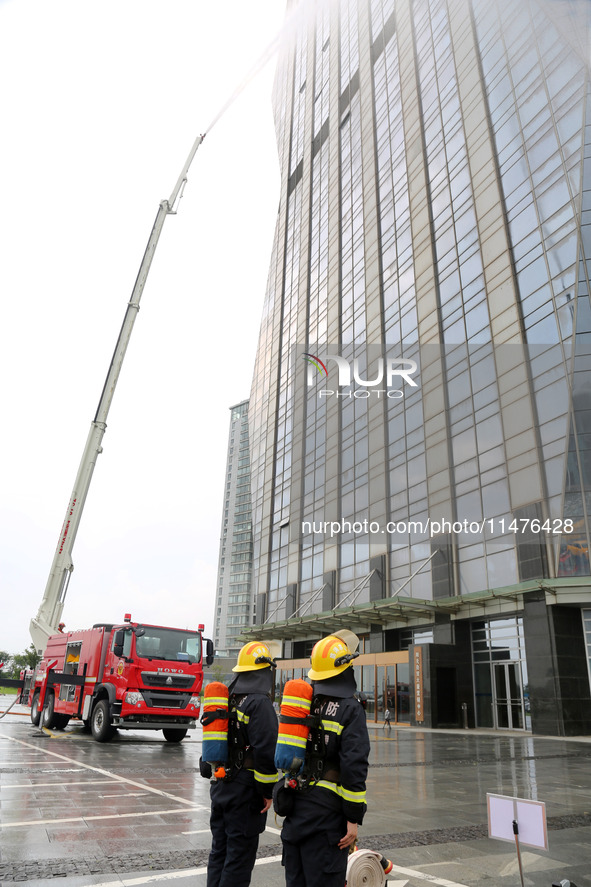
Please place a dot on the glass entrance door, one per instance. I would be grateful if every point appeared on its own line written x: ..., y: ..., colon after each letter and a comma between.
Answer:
x: 508, y: 696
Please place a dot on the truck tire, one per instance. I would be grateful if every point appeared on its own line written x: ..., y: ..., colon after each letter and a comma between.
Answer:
x: 61, y: 721
x: 49, y: 718
x: 100, y: 722
x: 174, y: 735
x: 35, y: 713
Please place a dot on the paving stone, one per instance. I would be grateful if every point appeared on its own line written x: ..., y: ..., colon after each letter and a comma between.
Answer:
x: 426, y: 793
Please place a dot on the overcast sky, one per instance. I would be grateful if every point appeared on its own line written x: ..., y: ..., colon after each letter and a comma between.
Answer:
x: 100, y: 104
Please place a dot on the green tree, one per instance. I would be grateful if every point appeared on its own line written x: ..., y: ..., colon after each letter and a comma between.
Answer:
x: 32, y: 655
x: 27, y: 659
x: 217, y: 672
x: 7, y: 670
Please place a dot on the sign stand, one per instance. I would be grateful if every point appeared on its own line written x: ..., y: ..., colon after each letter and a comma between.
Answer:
x: 516, y: 833
x: 515, y: 819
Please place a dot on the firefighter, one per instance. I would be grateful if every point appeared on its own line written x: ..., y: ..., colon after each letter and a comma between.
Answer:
x: 241, y: 796
x: 325, y: 810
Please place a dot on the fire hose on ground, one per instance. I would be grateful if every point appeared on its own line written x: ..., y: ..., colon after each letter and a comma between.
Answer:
x: 367, y: 868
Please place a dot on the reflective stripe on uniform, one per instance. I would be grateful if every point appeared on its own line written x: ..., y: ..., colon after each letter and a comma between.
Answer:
x: 242, y: 717
x: 333, y: 727
x: 215, y: 736
x: 345, y: 794
x: 356, y: 797
x: 214, y: 700
x: 266, y: 777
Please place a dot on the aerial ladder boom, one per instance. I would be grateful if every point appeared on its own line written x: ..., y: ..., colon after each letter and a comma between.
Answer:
x: 48, y: 618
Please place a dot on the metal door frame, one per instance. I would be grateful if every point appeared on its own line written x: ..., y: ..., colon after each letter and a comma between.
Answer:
x: 508, y: 700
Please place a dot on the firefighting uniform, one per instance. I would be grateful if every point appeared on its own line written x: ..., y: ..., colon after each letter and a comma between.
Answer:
x: 236, y: 820
x: 312, y: 831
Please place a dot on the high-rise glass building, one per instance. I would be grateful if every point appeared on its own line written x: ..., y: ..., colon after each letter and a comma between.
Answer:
x: 234, y: 608
x: 420, y: 413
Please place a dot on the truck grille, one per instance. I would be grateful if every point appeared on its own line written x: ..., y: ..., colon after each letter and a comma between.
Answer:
x: 164, y: 699
x: 165, y: 679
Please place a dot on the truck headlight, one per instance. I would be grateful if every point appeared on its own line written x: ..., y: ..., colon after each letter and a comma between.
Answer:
x: 195, y: 701
x: 133, y: 697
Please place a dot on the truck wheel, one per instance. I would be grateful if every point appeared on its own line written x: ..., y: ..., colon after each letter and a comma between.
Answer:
x: 35, y: 713
x: 61, y: 721
x: 48, y: 716
x: 174, y: 735
x: 100, y: 722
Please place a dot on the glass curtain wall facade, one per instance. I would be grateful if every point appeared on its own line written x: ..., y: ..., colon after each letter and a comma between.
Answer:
x: 234, y: 607
x: 435, y: 208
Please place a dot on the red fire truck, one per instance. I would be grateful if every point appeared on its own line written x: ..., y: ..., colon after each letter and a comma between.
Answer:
x: 130, y: 676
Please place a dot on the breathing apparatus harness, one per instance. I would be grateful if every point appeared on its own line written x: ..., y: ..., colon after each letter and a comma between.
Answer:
x: 224, y: 723
x: 303, y: 773
x: 237, y: 744
x: 306, y: 771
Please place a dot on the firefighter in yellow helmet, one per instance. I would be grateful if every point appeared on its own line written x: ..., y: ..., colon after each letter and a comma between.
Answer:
x: 241, y: 793
x: 324, y: 810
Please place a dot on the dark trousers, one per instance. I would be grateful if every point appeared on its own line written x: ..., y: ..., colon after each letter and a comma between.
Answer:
x: 316, y: 861
x: 235, y: 824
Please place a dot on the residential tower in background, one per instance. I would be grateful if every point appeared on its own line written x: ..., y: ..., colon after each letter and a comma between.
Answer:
x: 234, y: 608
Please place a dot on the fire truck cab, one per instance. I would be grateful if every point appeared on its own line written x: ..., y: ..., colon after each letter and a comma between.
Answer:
x: 127, y: 676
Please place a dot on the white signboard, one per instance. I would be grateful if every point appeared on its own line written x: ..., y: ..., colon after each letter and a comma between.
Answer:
x: 530, y: 817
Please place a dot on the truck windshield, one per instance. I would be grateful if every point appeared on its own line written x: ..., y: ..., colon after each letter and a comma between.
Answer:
x: 167, y: 643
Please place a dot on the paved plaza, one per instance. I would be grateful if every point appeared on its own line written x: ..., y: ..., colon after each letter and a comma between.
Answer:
x: 135, y: 811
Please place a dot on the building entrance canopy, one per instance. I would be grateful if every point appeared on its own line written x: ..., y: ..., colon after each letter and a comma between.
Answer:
x: 401, y: 611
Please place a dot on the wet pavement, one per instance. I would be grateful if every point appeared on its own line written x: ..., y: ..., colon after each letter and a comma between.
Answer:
x: 135, y: 811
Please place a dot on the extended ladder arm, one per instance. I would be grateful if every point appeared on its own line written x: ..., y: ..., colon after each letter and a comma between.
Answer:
x: 50, y: 611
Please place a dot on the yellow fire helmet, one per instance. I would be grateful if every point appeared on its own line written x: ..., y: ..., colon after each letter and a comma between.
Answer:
x: 257, y: 654
x: 333, y: 654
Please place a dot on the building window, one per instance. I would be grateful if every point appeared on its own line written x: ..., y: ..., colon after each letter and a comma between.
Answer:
x: 531, y: 547
x: 410, y: 636
x: 441, y: 567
